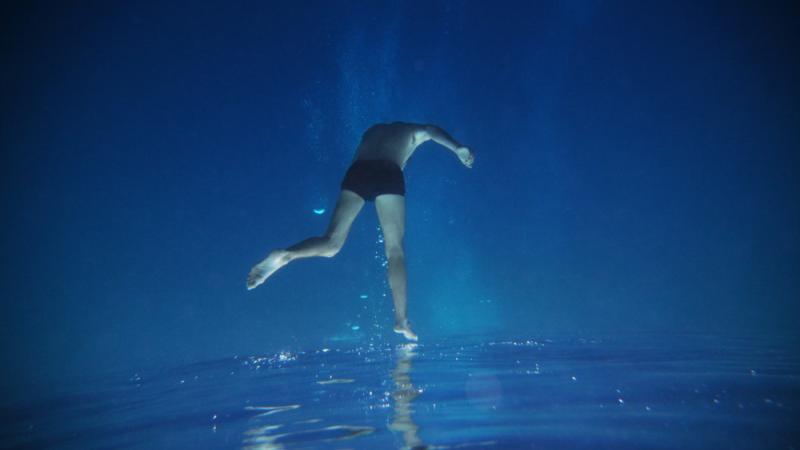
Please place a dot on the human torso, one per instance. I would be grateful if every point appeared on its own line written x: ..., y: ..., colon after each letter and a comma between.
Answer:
x: 393, y: 142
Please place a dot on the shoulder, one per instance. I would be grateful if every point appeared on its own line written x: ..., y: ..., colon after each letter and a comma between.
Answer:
x: 419, y: 132
x: 425, y: 132
x: 374, y: 128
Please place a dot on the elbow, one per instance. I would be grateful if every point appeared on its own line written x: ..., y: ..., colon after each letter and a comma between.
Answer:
x: 431, y: 131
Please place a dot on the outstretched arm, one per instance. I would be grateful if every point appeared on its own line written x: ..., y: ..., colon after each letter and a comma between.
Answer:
x: 441, y: 137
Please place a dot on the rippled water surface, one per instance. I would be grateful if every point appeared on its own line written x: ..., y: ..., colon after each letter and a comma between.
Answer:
x: 642, y: 392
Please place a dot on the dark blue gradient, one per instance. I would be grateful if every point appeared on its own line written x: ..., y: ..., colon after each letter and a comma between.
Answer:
x: 636, y: 171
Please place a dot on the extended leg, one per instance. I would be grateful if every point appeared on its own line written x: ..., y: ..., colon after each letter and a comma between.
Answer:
x: 347, y: 208
x: 392, y: 215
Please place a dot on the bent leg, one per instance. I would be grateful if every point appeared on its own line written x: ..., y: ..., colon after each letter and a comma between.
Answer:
x: 329, y: 244
x: 347, y: 208
x: 392, y: 215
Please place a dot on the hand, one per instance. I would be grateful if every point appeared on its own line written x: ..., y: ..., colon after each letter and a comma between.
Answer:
x: 466, y: 156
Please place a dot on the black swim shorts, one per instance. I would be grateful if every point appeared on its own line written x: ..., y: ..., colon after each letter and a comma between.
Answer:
x: 373, y: 177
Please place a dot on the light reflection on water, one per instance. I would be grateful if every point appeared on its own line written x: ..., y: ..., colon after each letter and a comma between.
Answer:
x: 641, y: 392
x: 404, y: 394
x: 270, y: 437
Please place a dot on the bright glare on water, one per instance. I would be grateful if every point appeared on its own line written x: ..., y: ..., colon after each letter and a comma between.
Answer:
x: 640, y: 392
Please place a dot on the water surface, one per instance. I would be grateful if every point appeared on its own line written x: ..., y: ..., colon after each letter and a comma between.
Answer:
x: 479, y: 392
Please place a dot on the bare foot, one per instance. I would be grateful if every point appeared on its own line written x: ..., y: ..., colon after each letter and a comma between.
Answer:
x: 261, y: 271
x: 404, y: 329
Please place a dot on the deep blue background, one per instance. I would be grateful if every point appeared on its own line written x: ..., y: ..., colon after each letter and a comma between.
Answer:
x: 636, y: 170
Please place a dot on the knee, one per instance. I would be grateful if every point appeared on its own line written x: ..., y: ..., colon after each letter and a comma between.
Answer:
x: 332, y: 247
x: 394, y: 252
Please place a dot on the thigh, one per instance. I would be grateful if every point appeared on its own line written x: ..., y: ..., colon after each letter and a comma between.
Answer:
x: 392, y: 216
x: 347, y: 208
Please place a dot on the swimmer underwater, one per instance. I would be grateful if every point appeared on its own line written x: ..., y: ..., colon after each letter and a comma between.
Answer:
x: 376, y: 174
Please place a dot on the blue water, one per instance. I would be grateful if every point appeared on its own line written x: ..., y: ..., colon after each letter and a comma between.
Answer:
x: 636, y: 169
x: 636, y: 392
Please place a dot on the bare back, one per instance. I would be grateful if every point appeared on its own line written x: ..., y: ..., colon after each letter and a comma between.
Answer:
x: 393, y: 142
